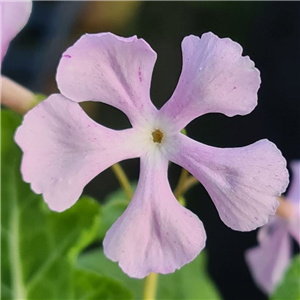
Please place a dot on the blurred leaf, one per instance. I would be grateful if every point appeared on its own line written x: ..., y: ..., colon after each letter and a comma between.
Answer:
x: 39, y: 247
x: 190, y: 282
x: 110, y: 15
x: 183, y: 131
x: 40, y: 97
x: 91, y: 286
x: 119, y: 194
x: 114, y: 205
x: 9, y: 122
x: 96, y: 261
x: 111, y: 212
x: 289, y: 288
x: 182, y: 201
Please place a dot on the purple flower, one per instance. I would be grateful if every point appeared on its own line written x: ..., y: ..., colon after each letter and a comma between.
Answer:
x: 269, y: 261
x: 64, y: 149
x: 14, y: 16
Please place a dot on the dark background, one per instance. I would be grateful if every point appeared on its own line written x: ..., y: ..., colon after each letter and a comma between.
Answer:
x: 269, y: 33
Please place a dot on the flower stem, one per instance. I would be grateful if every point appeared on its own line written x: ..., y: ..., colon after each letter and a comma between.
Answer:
x: 285, y: 209
x: 189, y: 182
x: 150, y: 286
x: 16, y: 97
x: 185, y: 182
x: 123, y: 180
x: 180, y: 186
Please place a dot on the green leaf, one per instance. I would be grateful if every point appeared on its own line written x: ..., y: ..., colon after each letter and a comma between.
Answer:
x: 289, y: 288
x: 39, y: 247
x: 96, y: 261
x: 194, y: 280
x: 111, y: 211
x: 119, y: 194
x: 9, y: 123
x: 40, y: 97
x: 91, y: 286
x: 190, y: 282
x: 183, y: 131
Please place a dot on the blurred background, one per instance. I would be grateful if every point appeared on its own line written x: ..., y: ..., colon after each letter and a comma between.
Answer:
x: 269, y: 33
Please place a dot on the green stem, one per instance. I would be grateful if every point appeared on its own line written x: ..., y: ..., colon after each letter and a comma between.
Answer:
x: 180, y: 186
x: 123, y: 180
x: 15, y: 261
x: 151, y: 279
x: 189, y: 183
x: 150, y: 286
x: 185, y: 182
x: 16, y: 97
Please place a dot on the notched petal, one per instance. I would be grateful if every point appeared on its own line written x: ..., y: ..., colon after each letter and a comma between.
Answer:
x: 110, y: 69
x: 64, y: 149
x: 155, y: 233
x: 293, y: 196
x: 244, y: 183
x: 269, y: 260
x: 215, y: 77
x: 294, y: 189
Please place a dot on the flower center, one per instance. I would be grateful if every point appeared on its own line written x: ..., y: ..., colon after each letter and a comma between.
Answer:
x: 157, y: 136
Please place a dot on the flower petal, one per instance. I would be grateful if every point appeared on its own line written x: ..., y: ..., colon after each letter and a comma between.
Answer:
x: 294, y: 226
x: 14, y: 16
x: 293, y: 195
x: 64, y: 149
x: 155, y: 233
x: 294, y: 189
x: 110, y: 69
x: 243, y: 182
x: 269, y: 260
x: 215, y: 77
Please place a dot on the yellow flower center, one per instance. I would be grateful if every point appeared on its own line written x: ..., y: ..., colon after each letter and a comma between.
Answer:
x: 157, y: 136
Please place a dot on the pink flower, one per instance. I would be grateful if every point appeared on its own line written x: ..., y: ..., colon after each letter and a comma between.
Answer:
x: 269, y: 261
x: 14, y: 16
x: 64, y: 149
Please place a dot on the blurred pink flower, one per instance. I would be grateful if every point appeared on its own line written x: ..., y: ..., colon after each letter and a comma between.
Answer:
x: 64, y: 149
x: 14, y: 16
x: 269, y: 261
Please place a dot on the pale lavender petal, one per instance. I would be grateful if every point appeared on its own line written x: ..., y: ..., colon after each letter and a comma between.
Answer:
x: 215, y: 77
x: 294, y: 188
x: 294, y: 226
x: 293, y: 195
x: 244, y: 183
x: 64, y: 149
x: 265, y: 230
x: 110, y: 69
x: 269, y: 260
x: 155, y: 233
x: 14, y: 16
